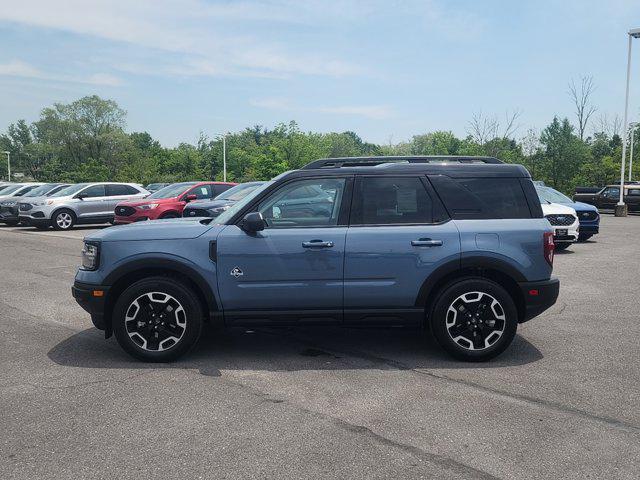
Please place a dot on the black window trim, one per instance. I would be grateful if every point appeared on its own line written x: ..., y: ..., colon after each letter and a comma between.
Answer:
x: 428, y: 189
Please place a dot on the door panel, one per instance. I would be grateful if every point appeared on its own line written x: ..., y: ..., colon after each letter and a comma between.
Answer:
x: 97, y: 204
x: 385, y: 266
x: 272, y: 272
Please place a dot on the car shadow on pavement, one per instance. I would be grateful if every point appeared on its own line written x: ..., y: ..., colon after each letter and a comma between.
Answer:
x: 291, y: 349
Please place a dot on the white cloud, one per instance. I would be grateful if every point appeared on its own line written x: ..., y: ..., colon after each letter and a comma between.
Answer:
x: 374, y: 112
x: 200, y: 33
x: 17, y: 68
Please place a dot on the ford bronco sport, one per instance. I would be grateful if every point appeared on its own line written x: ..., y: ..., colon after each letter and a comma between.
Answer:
x: 456, y: 245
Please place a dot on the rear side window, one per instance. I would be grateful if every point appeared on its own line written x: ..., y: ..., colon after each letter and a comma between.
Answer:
x: 218, y: 189
x: 482, y: 198
x: 115, y: 190
x: 390, y: 200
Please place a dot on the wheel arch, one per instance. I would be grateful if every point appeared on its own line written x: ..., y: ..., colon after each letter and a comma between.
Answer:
x: 171, y: 213
x: 126, y: 275
x: 493, y: 269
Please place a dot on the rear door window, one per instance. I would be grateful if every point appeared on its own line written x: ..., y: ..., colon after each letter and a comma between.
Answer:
x: 218, y: 189
x: 390, y: 200
x: 201, y: 192
x: 94, y: 191
x: 482, y: 198
x: 114, y: 190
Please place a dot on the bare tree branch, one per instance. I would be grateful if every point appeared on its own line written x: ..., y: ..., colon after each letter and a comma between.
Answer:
x: 581, y: 97
x: 510, y: 123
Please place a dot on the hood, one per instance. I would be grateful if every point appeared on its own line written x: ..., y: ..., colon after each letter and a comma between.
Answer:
x: 169, y: 229
x: 207, y: 204
x: 34, y: 200
x: 146, y: 201
x: 579, y: 206
x: 557, y: 209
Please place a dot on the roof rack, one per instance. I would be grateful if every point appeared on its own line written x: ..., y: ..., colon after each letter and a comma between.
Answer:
x: 373, y: 161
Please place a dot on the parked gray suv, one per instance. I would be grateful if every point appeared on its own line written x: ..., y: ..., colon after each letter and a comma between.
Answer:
x: 83, y: 203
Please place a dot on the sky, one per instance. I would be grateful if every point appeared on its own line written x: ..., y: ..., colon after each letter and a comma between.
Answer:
x: 387, y: 70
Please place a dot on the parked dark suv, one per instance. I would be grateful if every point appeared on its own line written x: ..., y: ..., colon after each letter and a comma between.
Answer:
x: 457, y: 245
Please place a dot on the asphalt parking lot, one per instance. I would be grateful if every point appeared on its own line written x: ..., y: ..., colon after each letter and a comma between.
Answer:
x: 562, y: 402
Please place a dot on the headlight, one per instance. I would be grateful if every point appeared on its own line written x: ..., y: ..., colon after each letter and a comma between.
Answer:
x: 219, y: 210
x: 149, y: 206
x: 90, y: 256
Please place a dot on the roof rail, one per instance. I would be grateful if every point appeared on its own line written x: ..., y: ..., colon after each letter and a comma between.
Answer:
x: 373, y: 161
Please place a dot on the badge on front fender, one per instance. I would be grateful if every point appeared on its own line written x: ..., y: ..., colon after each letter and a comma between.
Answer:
x: 236, y: 272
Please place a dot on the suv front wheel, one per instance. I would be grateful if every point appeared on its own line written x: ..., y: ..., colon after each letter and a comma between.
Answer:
x: 63, y: 220
x: 474, y: 319
x: 157, y: 319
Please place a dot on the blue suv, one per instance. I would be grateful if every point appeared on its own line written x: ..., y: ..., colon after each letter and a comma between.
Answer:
x: 456, y: 245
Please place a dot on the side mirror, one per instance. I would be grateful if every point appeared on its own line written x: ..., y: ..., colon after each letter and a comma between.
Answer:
x: 190, y: 198
x: 81, y: 196
x: 252, y: 222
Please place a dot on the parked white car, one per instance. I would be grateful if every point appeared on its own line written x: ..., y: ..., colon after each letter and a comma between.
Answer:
x: 564, y: 221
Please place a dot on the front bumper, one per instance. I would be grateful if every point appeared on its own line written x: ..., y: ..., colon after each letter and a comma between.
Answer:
x: 8, y: 214
x: 568, y: 234
x: 118, y: 220
x: 538, y: 296
x: 93, y: 302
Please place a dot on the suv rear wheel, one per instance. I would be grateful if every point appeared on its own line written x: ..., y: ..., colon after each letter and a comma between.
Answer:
x: 474, y: 319
x: 63, y: 220
x: 157, y: 319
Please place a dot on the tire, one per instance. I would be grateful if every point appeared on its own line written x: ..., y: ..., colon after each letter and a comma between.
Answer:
x: 491, y: 319
x: 11, y: 223
x: 63, y: 219
x: 183, y: 321
x: 583, y: 238
x: 561, y: 247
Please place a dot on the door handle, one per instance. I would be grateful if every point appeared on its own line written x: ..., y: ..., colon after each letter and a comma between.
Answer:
x: 426, y: 242
x: 317, y: 244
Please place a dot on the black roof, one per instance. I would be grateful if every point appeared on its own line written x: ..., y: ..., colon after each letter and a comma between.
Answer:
x: 455, y: 166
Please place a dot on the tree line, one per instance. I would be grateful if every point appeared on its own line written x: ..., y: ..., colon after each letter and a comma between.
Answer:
x: 86, y: 140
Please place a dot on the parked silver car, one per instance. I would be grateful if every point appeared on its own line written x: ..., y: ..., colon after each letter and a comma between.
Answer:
x: 83, y: 203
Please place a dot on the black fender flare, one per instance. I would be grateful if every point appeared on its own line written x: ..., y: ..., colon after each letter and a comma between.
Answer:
x: 167, y: 264
x: 460, y: 265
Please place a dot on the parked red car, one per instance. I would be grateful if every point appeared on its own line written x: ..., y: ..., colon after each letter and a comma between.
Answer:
x: 168, y: 202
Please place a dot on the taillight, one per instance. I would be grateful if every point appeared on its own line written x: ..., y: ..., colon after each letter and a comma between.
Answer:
x: 549, y: 247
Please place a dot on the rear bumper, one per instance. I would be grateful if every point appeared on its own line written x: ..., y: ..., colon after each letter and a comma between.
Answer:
x: 589, y: 229
x: 85, y: 296
x: 538, y: 296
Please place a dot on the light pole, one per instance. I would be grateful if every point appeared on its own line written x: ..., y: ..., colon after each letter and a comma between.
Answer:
x: 621, y: 208
x: 8, y: 164
x: 632, y: 127
x: 224, y: 155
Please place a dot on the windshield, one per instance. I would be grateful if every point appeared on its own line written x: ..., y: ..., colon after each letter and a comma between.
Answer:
x: 11, y: 189
x: 41, y: 190
x: 172, y: 190
x: 65, y: 192
x: 236, y: 207
x: 548, y: 194
x: 239, y: 191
